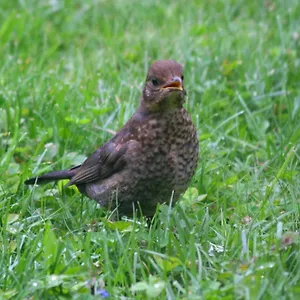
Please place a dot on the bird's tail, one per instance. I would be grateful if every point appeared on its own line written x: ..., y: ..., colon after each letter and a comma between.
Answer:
x: 52, y: 176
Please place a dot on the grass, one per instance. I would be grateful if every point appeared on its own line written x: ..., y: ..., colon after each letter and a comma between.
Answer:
x: 72, y: 71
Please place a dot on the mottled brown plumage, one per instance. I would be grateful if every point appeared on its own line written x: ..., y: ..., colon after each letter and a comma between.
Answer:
x: 154, y: 154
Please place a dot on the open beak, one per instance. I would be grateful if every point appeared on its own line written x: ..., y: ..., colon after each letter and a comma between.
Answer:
x: 176, y: 84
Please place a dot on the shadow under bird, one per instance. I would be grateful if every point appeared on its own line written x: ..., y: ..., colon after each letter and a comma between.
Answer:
x: 151, y: 160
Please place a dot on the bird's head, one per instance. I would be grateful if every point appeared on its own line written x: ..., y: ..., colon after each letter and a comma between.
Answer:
x: 164, y: 87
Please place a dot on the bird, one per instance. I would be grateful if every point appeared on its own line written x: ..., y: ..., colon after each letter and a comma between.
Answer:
x: 150, y: 160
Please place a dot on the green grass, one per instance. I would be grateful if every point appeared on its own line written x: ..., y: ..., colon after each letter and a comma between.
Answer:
x: 72, y: 71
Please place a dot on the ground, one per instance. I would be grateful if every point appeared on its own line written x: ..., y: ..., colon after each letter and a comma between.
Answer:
x: 71, y: 74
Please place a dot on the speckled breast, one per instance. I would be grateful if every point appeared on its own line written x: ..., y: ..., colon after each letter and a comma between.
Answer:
x: 167, y: 158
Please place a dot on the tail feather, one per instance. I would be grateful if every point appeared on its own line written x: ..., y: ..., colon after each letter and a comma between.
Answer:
x: 52, y: 176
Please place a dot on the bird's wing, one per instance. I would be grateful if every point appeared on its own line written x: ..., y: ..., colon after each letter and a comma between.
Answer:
x: 111, y: 157
x: 104, y: 162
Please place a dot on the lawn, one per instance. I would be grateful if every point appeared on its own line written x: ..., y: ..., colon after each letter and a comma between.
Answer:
x: 71, y: 74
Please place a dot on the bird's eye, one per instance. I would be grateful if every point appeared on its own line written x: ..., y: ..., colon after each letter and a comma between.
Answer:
x: 155, y: 81
x: 182, y: 77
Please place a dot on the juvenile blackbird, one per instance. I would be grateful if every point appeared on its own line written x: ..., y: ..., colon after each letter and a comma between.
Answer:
x: 151, y: 159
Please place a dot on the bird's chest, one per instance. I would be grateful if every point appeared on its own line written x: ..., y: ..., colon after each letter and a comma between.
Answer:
x: 168, y: 149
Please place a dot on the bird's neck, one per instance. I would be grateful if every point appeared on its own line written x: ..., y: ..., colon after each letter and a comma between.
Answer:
x: 159, y: 108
